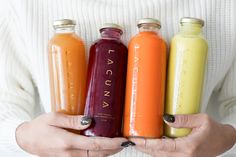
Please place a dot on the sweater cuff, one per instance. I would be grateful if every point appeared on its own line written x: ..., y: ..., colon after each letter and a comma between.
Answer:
x: 227, y: 111
x: 231, y: 120
x: 8, y: 135
x: 228, y: 116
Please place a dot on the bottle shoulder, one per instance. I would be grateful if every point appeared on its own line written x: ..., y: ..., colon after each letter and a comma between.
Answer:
x: 101, y: 42
x: 64, y: 39
x: 147, y: 39
x: 189, y: 38
x: 146, y: 36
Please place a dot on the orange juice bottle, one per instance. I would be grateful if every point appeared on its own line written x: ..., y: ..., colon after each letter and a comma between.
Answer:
x: 67, y: 67
x: 145, y: 89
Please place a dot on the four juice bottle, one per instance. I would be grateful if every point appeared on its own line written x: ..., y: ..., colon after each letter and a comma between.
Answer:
x: 145, y: 89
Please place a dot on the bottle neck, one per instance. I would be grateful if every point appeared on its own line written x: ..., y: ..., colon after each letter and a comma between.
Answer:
x: 191, y: 29
x: 149, y: 28
x: 65, y: 30
x: 111, y: 33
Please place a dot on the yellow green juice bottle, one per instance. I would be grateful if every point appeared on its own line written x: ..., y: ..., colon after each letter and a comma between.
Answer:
x: 186, y: 70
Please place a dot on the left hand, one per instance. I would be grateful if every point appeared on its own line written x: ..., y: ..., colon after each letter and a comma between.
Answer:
x: 46, y: 136
x: 207, y: 139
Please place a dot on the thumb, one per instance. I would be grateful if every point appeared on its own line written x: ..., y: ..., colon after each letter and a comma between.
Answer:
x: 76, y: 122
x: 184, y: 121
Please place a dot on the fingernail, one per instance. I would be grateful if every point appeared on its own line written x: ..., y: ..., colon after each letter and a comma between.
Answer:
x: 169, y: 118
x: 127, y: 144
x: 86, y: 120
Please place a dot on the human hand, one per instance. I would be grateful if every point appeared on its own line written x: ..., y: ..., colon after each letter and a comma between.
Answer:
x: 207, y: 139
x: 46, y: 136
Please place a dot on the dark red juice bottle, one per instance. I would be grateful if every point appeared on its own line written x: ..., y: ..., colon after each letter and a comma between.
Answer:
x: 106, y: 83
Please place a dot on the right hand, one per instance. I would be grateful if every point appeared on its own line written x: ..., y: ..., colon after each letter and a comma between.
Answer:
x: 46, y: 136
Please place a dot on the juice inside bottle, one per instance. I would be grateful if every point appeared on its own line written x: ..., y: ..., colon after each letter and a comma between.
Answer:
x: 106, y: 83
x: 67, y: 67
x: 145, y: 89
x: 186, y: 72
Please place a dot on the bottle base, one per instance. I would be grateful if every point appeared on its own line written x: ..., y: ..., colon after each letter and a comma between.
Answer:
x: 176, y: 133
x: 143, y: 136
x: 90, y: 133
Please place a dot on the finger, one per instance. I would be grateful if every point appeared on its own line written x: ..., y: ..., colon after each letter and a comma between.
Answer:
x: 172, y: 154
x: 169, y: 145
x: 95, y: 143
x: 155, y: 153
x: 147, y: 151
x: 68, y: 153
x: 74, y: 153
x: 103, y: 153
x: 68, y: 121
x: 185, y: 121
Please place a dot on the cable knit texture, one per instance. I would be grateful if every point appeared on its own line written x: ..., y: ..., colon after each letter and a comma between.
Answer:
x: 26, y: 27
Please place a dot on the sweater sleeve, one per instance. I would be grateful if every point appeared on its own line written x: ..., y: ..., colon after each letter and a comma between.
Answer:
x: 16, y: 86
x: 228, y: 97
x: 228, y: 103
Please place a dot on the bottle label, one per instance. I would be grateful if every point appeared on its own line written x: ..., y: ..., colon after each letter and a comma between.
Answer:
x: 106, y: 110
x: 135, y: 75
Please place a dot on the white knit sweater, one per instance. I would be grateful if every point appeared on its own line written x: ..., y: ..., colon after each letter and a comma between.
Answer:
x: 26, y: 27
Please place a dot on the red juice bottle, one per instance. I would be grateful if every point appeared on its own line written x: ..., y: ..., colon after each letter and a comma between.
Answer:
x: 106, y: 83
